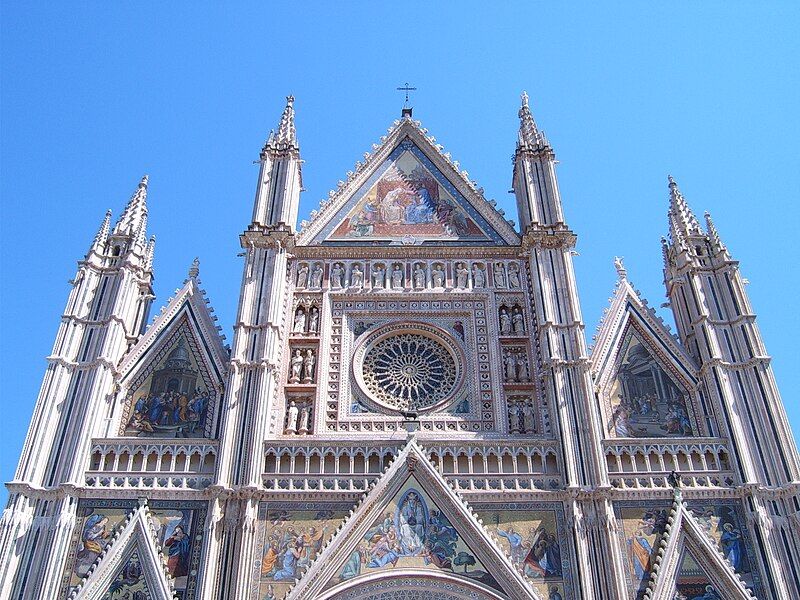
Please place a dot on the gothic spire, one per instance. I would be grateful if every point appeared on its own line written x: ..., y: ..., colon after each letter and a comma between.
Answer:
x: 134, y: 218
x: 286, y: 136
x: 529, y: 134
x: 682, y: 222
x: 102, y: 234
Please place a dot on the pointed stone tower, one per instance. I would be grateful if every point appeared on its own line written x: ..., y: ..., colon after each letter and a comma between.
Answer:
x: 718, y: 327
x: 106, y: 310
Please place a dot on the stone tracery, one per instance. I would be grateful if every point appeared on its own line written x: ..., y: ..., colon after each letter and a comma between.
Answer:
x: 409, y: 371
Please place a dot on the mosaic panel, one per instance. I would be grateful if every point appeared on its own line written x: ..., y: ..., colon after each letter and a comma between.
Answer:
x: 693, y: 583
x: 174, y: 396
x: 406, y: 200
x: 645, y: 401
x: 179, y: 527
x: 129, y: 584
x: 291, y: 535
x: 643, y: 526
x: 533, y: 534
x: 414, y: 533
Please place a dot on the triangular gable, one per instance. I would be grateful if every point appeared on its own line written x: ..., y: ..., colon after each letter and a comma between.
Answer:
x: 630, y: 330
x: 411, y: 523
x: 688, y: 558
x: 180, y: 360
x: 408, y: 192
x: 131, y: 563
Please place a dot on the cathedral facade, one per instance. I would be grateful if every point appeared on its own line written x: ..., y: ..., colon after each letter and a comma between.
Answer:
x: 408, y: 409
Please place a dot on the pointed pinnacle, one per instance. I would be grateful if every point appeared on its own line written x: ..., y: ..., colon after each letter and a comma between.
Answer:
x: 287, y: 134
x: 713, y: 234
x: 102, y: 234
x: 135, y: 212
x: 529, y: 134
x: 194, y: 270
x: 151, y: 250
x: 682, y: 221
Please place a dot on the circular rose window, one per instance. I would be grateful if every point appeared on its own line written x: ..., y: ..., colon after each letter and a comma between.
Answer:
x: 408, y: 367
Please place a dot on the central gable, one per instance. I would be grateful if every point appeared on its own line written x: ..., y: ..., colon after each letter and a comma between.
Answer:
x: 408, y: 191
x: 408, y: 200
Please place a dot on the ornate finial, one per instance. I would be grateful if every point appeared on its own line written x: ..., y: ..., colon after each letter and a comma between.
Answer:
x: 144, y: 181
x: 622, y: 272
x: 289, y: 100
x: 675, y: 480
x: 194, y: 270
x: 671, y: 180
x: 524, y: 98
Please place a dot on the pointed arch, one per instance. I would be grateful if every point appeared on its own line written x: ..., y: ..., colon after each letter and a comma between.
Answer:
x: 684, y: 552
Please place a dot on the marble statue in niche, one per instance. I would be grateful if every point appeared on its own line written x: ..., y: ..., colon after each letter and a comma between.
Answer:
x: 499, y: 275
x: 356, y: 276
x: 420, y: 276
x: 337, y: 276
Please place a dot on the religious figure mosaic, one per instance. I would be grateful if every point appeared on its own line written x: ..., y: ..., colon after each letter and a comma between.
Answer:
x: 414, y: 533
x: 692, y: 582
x: 645, y: 400
x: 642, y: 530
x: 179, y: 532
x: 173, y: 397
x: 532, y: 540
x: 129, y: 584
x: 407, y: 198
x: 293, y: 535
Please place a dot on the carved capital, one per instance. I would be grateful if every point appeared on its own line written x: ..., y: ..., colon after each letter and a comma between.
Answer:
x: 548, y: 238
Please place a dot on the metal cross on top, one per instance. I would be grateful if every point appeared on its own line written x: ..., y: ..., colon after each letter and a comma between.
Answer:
x: 406, y: 89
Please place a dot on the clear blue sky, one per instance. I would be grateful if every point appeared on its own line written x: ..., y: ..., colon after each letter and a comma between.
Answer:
x: 95, y: 95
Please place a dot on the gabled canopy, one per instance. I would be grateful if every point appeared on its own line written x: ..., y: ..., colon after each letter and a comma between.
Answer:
x: 686, y: 547
x: 631, y: 331
x: 132, y: 562
x: 187, y: 327
x: 407, y: 192
x: 412, y: 527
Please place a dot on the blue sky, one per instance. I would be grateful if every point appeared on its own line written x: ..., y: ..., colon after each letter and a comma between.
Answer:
x: 94, y: 96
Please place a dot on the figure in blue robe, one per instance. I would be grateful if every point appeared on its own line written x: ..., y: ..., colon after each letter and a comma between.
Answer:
x: 732, y: 546
x: 352, y: 568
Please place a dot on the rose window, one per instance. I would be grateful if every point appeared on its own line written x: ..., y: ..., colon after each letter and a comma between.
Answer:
x: 408, y: 369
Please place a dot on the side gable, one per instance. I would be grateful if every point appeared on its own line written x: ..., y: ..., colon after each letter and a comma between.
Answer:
x: 132, y: 565
x: 407, y: 192
x: 413, y: 495
x: 180, y: 360
x: 686, y: 552
x: 631, y: 330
